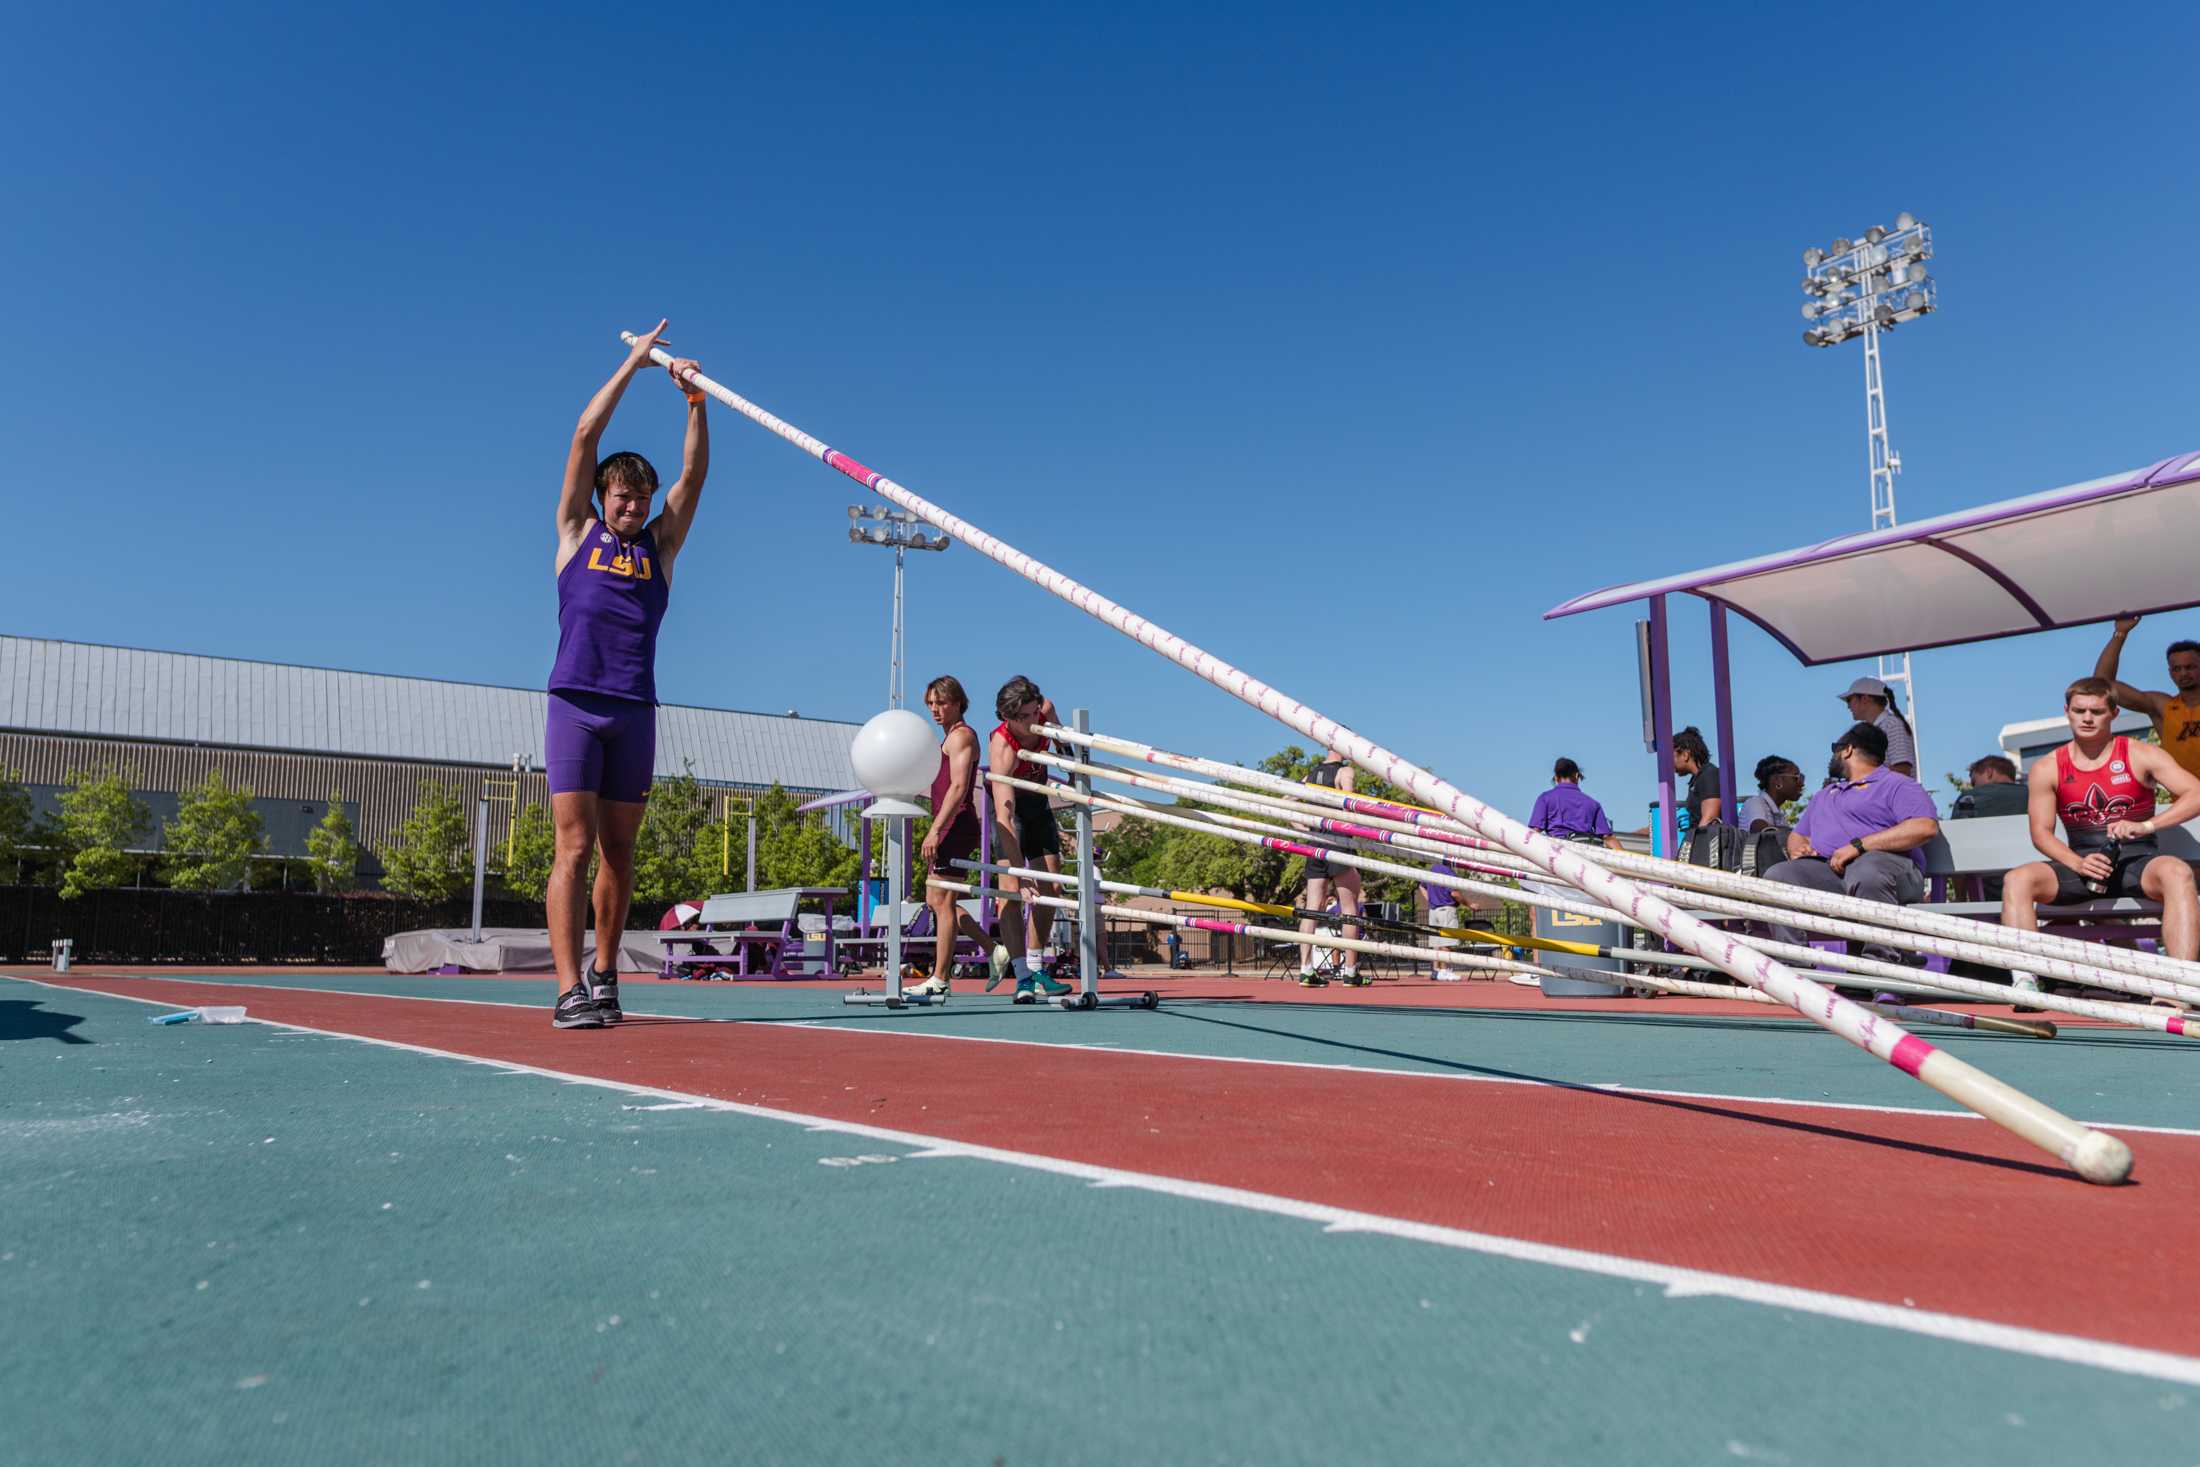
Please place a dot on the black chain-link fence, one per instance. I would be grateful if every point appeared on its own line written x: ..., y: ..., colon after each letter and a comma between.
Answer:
x: 132, y: 925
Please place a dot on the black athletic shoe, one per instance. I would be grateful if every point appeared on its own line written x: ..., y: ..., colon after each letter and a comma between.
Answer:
x: 576, y: 1010
x: 604, y: 989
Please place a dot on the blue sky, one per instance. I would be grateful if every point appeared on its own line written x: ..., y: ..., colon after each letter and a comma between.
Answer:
x: 1343, y: 344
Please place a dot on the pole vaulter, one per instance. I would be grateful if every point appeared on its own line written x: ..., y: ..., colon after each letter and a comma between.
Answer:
x: 2094, y: 1155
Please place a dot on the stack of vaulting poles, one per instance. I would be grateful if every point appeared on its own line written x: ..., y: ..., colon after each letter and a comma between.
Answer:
x: 1509, y: 845
x: 1302, y: 819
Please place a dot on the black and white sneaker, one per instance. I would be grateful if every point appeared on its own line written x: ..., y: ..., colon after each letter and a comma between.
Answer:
x: 576, y: 1010
x: 604, y: 989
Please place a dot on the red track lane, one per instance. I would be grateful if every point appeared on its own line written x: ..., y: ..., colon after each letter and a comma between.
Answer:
x: 1950, y: 1214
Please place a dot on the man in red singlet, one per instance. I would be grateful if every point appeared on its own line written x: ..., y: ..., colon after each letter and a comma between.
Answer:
x: 2101, y: 785
x: 1024, y: 829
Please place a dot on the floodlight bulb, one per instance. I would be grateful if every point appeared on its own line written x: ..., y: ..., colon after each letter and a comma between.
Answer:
x: 1812, y: 256
x: 855, y: 535
x: 1842, y: 246
x: 1874, y: 235
x: 1905, y: 220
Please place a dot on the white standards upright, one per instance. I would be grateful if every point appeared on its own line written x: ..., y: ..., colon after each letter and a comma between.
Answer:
x: 895, y: 757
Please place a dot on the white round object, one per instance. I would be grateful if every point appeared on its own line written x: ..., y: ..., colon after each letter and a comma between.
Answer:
x: 896, y: 754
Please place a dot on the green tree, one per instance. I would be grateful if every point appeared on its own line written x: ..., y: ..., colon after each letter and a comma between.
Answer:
x: 332, y: 848
x: 18, y: 832
x: 210, y: 844
x: 798, y: 850
x: 100, y: 822
x: 534, y: 848
x: 427, y: 860
x: 719, y: 856
x: 676, y: 852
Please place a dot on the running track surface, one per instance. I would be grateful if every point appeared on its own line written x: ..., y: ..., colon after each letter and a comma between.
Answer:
x: 1752, y: 1260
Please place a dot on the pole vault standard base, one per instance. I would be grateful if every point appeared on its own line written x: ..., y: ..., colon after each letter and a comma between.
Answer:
x: 1088, y: 996
x: 896, y: 814
x: 1081, y: 1002
x: 895, y: 1000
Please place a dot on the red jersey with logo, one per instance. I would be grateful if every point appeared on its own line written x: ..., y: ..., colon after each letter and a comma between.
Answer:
x: 2091, y: 800
x: 1023, y: 768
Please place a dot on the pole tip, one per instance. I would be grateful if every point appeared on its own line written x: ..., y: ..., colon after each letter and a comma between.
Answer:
x: 2100, y: 1157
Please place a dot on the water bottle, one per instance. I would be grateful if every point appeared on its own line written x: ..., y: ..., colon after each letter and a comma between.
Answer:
x: 2112, y: 851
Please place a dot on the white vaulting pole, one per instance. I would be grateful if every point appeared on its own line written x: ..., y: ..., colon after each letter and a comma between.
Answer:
x: 2094, y: 1155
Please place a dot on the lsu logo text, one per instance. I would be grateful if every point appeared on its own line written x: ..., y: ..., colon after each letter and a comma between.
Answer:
x: 619, y: 565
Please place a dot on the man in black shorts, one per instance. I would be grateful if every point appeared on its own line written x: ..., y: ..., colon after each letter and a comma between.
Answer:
x: 2101, y: 786
x: 1026, y: 831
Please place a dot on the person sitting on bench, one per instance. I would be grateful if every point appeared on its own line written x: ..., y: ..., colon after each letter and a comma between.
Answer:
x: 1862, y: 834
x: 2102, y: 786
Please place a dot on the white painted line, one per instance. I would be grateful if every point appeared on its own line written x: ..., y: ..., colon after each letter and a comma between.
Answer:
x: 1611, y: 1087
x: 1676, y: 1282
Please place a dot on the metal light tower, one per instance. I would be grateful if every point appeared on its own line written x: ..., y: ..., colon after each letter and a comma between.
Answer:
x: 1861, y: 288
x: 898, y: 528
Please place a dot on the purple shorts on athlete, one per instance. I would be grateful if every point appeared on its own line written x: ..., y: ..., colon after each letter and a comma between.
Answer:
x: 599, y: 745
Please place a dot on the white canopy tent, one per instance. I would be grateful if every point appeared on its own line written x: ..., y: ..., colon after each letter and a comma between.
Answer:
x: 2005, y: 569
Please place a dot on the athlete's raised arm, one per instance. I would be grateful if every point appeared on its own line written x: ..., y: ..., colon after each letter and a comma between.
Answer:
x: 687, y: 490
x: 574, y: 509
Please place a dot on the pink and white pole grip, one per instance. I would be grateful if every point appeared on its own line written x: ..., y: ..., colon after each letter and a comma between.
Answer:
x: 2094, y: 1155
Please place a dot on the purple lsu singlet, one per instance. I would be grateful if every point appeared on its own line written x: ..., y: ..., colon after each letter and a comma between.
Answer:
x: 611, y: 600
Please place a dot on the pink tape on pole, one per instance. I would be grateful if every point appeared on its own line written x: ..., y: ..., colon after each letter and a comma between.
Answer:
x: 1910, y: 1052
x: 868, y: 478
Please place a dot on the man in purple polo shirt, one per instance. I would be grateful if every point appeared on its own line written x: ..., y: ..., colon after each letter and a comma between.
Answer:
x: 1563, y: 812
x: 1863, y: 834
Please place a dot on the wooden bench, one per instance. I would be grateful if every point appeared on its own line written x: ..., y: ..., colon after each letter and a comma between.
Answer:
x: 758, y: 934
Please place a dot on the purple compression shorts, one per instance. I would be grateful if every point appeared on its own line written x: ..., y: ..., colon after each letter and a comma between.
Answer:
x: 600, y: 745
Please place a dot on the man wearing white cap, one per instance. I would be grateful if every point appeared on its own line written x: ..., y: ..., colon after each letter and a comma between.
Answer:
x: 1872, y: 701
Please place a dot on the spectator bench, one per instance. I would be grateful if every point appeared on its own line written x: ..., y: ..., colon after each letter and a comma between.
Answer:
x: 758, y: 934
x: 1966, y: 850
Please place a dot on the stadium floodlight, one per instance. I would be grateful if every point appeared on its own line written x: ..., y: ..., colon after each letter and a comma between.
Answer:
x: 1860, y: 288
x: 883, y: 525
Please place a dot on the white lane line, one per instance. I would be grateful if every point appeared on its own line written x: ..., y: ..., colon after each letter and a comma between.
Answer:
x: 1675, y: 1282
x: 827, y: 1026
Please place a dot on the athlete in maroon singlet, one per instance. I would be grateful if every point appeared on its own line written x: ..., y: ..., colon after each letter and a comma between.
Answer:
x: 2102, y: 787
x: 953, y: 835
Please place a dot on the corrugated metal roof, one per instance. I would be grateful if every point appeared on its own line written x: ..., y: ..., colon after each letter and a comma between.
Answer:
x: 177, y: 697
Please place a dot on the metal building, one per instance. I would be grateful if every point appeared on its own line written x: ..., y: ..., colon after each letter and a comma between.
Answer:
x: 297, y: 735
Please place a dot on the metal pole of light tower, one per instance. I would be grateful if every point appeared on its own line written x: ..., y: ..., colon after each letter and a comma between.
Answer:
x: 1885, y: 463
x: 894, y: 674
x: 1860, y: 288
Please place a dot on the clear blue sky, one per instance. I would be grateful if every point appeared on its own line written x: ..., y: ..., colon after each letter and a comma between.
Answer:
x: 1342, y: 343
